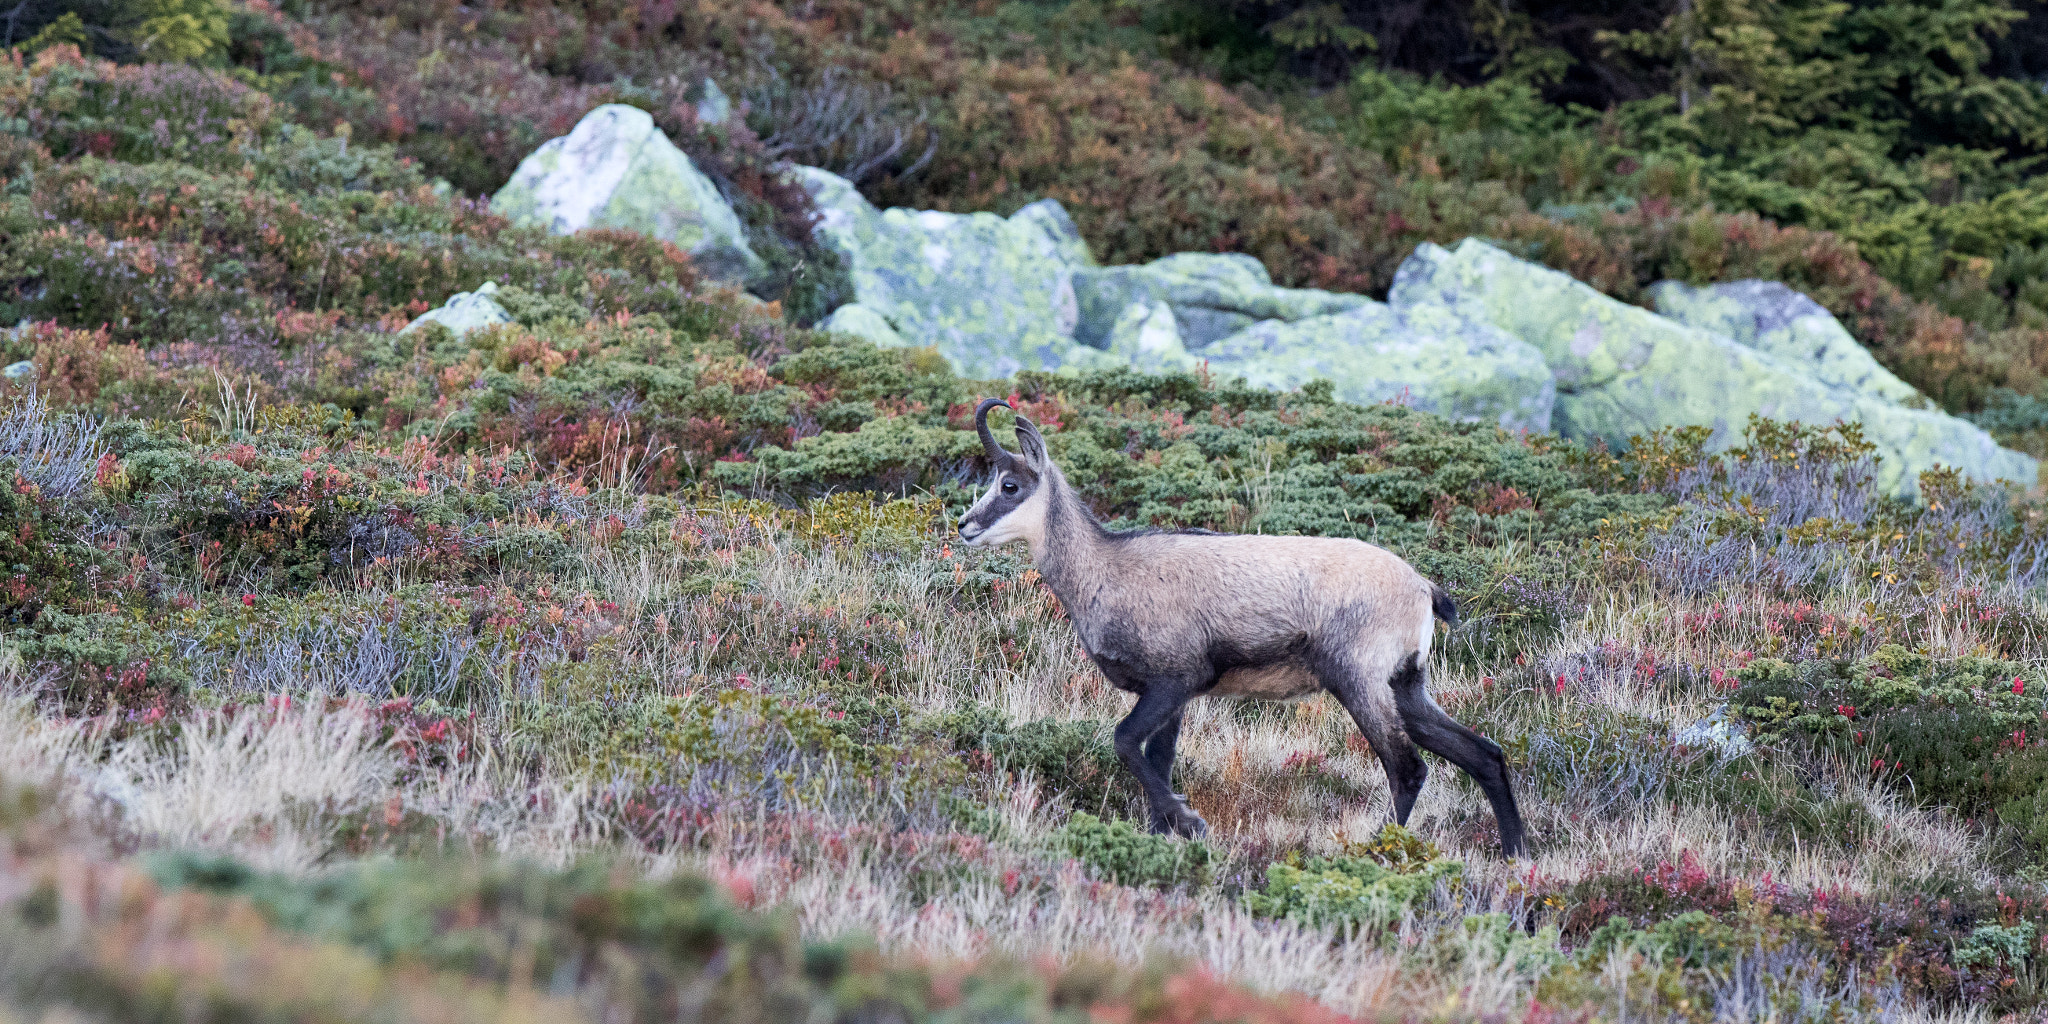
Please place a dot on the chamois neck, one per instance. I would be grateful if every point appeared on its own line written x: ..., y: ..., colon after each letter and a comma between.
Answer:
x: 1069, y: 551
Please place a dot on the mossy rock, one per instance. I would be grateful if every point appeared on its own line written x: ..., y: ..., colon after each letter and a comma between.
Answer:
x: 617, y: 170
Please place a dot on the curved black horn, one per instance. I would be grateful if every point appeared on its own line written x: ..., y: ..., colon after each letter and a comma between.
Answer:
x: 988, y: 437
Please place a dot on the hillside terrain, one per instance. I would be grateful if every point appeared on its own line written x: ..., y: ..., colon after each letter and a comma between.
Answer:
x: 617, y: 661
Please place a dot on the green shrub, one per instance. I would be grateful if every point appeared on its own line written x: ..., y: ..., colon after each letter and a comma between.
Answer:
x: 1072, y: 759
x: 1369, y: 886
x: 1996, y: 948
x: 46, y: 560
x: 463, y: 918
x: 1505, y: 942
x: 2023, y: 815
x: 1965, y: 732
x: 1693, y: 939
x: 1128, y: 855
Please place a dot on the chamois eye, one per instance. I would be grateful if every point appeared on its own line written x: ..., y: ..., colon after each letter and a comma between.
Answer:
x: 1009, y: 487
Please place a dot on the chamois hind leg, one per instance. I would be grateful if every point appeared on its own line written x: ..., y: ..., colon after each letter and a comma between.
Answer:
x: 1160, y: 704
x: 1360, y: 684
x: 1159, y: 750
x: 1480, y: 757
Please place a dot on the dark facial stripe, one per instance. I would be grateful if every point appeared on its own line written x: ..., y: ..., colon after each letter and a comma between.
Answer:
x: 1004, y: 504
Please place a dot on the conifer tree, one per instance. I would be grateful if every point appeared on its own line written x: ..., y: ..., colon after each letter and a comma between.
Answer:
x: 1741, y: 71
x: 160, y: 30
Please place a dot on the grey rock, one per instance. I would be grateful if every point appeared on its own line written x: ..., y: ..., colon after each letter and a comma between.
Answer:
x: 863, y: 322
x: 1431, y: 358
x: 1622, y: 370
x: 465, y: 312
x: 617, y: 170
x: 993, y: 294
x: 1770, y: 317
x: 714, y: 108
x: 1212, y: 295
x: 1146, y: 336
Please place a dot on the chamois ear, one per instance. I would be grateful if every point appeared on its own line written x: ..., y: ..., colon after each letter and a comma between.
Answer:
x: 1031, y: 444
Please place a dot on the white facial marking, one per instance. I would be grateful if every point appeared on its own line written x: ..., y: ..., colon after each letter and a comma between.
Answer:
x: 1026, y: 522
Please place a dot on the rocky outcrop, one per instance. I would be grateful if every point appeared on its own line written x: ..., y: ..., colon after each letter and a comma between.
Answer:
x: 1146, y: 336
x: 863, y: 322
x: 1623, y: 370
x: 1212, y: 296
x: 464, y: 312
x: 994, y: 294
x: 1472, y: 334
x: 1430, y: 357
x: 1770, y: 317
x: 617, y: 170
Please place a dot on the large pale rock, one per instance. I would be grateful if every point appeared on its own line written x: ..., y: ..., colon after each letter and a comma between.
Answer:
x: 617, y: 170
x: 464, y: 312
x: 1147, y: 337
x: 1212, y: 295
x: 995, y: 295
x: 1431, y: 358
x: 1770, y: 317
x: 1622, y: 370
x: 863, y: 322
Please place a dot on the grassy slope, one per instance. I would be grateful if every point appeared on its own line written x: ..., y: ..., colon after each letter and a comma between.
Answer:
x: 592, y: 591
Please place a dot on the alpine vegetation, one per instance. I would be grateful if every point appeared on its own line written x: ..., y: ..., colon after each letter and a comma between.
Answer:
x: 416, y: 610
x: 1171, y: 616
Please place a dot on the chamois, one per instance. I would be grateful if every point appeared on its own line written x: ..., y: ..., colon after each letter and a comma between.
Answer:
x: 1171, y: 616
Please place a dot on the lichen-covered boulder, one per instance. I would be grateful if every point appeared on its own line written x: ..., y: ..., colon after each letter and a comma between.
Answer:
x: 617, y: 170
x: 465, y: 312
x: 993, y: 294
x: 1212, y: 295
x: 1431, y: 358
x: 1146, y: 336
x: 863, y: 322
x: 1770, y: 317
x: 1622, y: 370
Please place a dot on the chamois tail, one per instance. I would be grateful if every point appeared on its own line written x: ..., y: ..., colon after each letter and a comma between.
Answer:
x: 1441, y: 603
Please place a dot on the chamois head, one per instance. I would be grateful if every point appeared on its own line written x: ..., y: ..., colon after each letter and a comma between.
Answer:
x: 1014, y: 508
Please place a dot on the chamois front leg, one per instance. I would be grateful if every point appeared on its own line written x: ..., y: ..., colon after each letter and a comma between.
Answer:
x: 1160, y: 704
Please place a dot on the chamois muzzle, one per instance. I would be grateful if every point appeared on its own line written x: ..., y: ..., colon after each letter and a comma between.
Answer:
x: 995, y: 451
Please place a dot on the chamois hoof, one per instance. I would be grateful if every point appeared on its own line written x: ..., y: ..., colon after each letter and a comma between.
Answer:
x: 1181, y: 821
